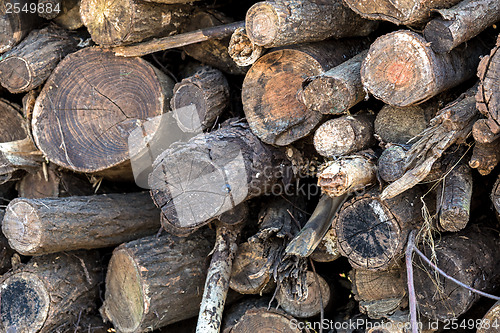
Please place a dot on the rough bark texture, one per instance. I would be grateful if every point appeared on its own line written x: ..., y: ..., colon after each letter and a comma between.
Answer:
x: 495, y: 197
x: 200, y: 99
x: 482, y: 132
x: 154, y: 281
x: 344, y: 135
x: 111, y: 22
x: 262, y: 320
x: 336, y: 90
x: 40, y: 226
x: 91, y: 104
x: 401, y: 69
x: 485, y: 157
x: 270, y: 89
x: 470, y: 257
x: 15, y: 26
x: 29, y: 64
x: 460, y: 23
x: 49, y: 293
x: 372, y: 233
x: 233, y: 314
x: 391, y: 163
x: 69, y: 17
x: 488, y: 93
x: 242, y: 50
x: 286, y: 22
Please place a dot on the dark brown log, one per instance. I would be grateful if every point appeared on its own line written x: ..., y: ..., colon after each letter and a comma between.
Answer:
x: 482, y: 132
x: 407, y: 12
x: 200, y: 99
x: 69, y: 16
x: 40, y: 226
x: 270, y: 89
x: 15, y: 26
x: 50, y: 292
x: 460, y: 23
x: 487, y: 97
x: 336, y: 90
x: 401, y: 69
x: 345, y: 135
x: 29, y: 64
x: 495, y: 197
x: 379, y: 293
x: 154, y: 281
x: 470, y: 257
x: 5, y: 251
x: 286, y: 22
x: 262, y: 320
x: 391, y: 163
x: 49, y: 9
x: 170, y: 2
x: 372, y: 233
x: 242, y: 50
x: 234, y: 313
x: 491, y: 320
x: 485, y: 157
x: 197, y: 181
x: 112, y: 23
x: 91, y: 104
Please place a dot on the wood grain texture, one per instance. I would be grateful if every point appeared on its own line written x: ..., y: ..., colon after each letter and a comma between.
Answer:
x: 69, y: 16
x: 488, y: 93
x: 242, y: 50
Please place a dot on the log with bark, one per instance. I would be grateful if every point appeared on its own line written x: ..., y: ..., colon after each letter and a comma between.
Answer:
x: 485, y: 157
x: 270, y: 89
x: 460, y: 23
x: 242, y: 50
x: 391, y: 163
x: 154, y: 281
x: 285, y: 22
x: 91, y: 104
x: 488, y: 93
x: 14, y: 24
x: 482, y: 132
x: 490, y: 323
x: 50, y: 293
x: 401, y: 69
x: 262, y: 320
x: 49, y: 9
x: 40, y: 226
x: 233, y: 314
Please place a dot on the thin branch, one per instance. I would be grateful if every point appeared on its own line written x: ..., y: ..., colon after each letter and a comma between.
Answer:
x: 411, y: 288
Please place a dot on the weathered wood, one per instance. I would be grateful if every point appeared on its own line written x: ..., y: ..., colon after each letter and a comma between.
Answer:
x: 345, y: 135
x: 5, y: 251
x: 15, y: 26
x: 197, y: 181
x: 482, y: 132
x: 154, y: 281
x: 401, y: 69
x: 372, y: 233
x: 460, y: 23
x: 327, y: 249
x: 29, y: 64
x: 285, y: 22
x: 200, y: 99
x: 170, y: 2
x: 485, y: 157
x: 495, y: 197
x: 270, y: 89
x: 491, y: 320
x: 336, y: 90
x: 40, y: 226
x: 234, y: 313
x: 391, y: 163
x: 470, y: 257
x: 112, y: 23
x: 49, y: 9
x: 242, y: 50
x: 69, y: 16
x: 90, y: 105
x: 400, y: 12
x: 49, y: 293
x: 262, y: 320
x: 488, y: 93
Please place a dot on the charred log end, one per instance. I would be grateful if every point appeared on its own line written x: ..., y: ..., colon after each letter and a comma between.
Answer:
x: 262, y: 23
x: 21, y: 227
x: 249, y: 275
x: 437, y: 32
x: 18, y: 73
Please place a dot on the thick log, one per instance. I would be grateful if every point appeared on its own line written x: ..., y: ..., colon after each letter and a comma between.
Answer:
x: 482, y: 132
x: 242, y: 50
x: 270, y: 89
x: 5, y: 251
x: 200, y: 99
x: 491, y: 320
x: 345, y: 135
x: 336, y: 90
x: 40, y: 226
x: 69, y: 17
x: 485, y: 157
x: 49, y: 9
x: 401, y: 69
x: 49, y: 293
x: 286, y: 22
x: 29, y: 64
x: 112, y: 23
x: 460, y: 23
x: 400, y: 12
x: 15, y: 26
x: 488, y: 93
x: 391, y: 163
x: 262, y: 320
x: 91, y: 104
x: 372, y: 233
x: 470, y: 257
x: 197, y: 181
x: 234, y: 313
x: 154, y: 281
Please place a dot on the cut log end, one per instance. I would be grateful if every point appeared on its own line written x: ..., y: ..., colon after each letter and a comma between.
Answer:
x: 263, y: 23
x: 438, y: 33
x: 22, y: 222
x: 16, y: 73
x: 339, y: 97
x: 242, y: 50
x: 248, y: 275
x: 261, y: 320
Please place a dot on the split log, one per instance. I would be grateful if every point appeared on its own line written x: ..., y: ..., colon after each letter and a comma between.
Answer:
x: 154, y: 281
x: 345, y: 135
x: 40, y: 226
x: 5, y: 251
x: 460, y: 23
x: 49, y: 9
x: 210, y: 174
x: 242, y: 50
x: 91, y: 104
x: 401, y: 69
x: 50, y: 292
x: 336, y: 90
x: 15, y: 26
x: 372, y: 233
x: 491, y: 320
x: 408, y: 12
x: 482, y: 132
x: 379, y: 293
x: 123, y: 22
x: 262, y: 320
x: 199, y: 100
x: 69, y: 16
x: 29, y: 64
x: 470, y: 257
x: 488, y: 93
x: 485, y: 157
x: 391, y: 163
x: 270, y: 89
x: 285, y: 22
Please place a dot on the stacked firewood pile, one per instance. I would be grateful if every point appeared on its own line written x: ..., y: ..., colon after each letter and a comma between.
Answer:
x: 244, y: 166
